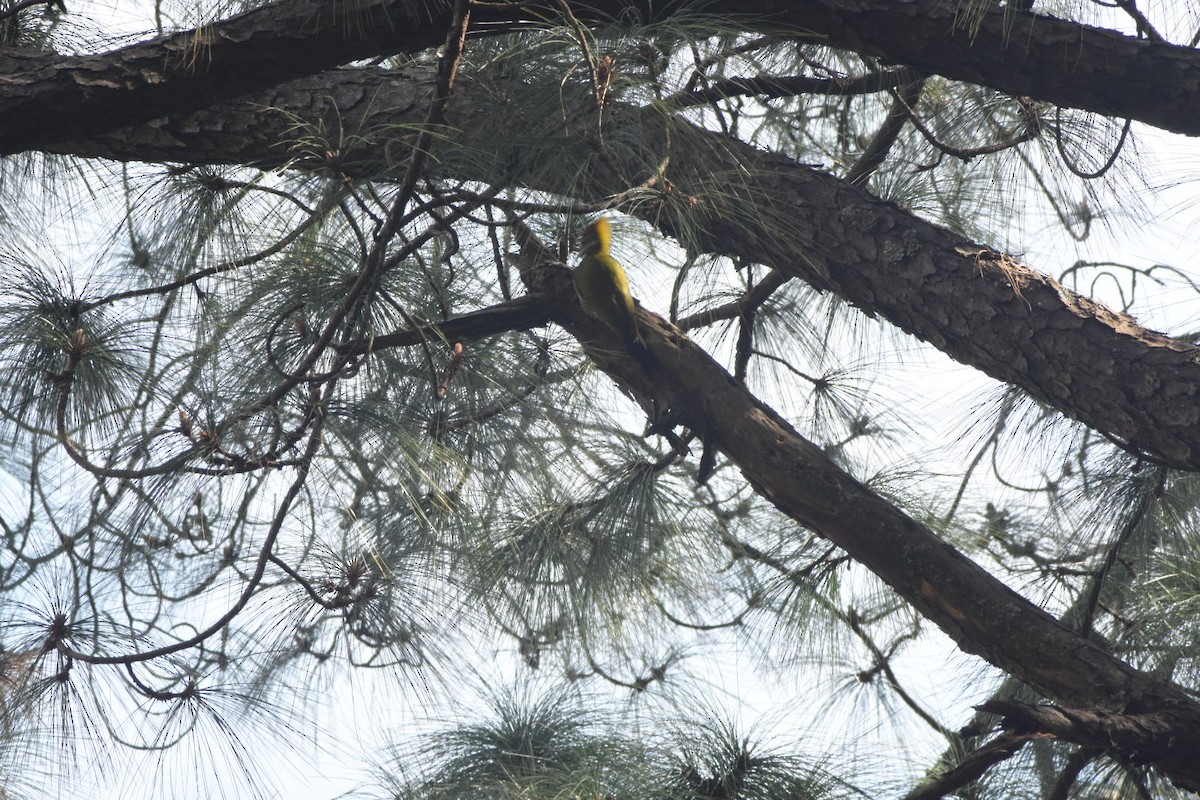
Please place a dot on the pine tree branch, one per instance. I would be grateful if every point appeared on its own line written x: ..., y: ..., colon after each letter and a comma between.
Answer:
x: 980, y: 613
x: 521, y: 313
x: 1022, y: 54
x: 46, y: 97
x: 1069, y: 774
x: 881, y: 143
x: 971, y: 768
x: 791, y: 85
x: 753, y: 298
x: 981, y: 307
x: 1141, y: 734
x: 1137, y: 516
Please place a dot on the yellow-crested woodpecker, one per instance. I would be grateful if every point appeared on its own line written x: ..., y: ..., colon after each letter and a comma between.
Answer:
x: 604, y: 290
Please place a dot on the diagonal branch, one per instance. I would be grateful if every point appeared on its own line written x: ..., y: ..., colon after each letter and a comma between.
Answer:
x: 1146, y: 733
x: 982, y: 308
x: 47, y: 97
x: 981, y: 614
x: 971, y: 768
x: 881, y: 143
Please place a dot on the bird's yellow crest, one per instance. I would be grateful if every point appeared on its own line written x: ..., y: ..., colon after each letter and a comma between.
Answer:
x: 597, y: 239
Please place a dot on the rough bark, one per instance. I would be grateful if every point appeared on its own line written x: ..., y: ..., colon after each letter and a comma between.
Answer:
x: 1143, y: 737
x: 984, y: 309
x: 980, y: 613
x: 980, y: 307
x: 45, y: 97
x: 1022, y: 53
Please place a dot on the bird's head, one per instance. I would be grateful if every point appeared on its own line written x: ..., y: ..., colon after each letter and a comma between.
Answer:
x: 596, y: 238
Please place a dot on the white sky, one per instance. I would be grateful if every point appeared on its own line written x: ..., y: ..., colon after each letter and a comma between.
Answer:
x: 359, y: 716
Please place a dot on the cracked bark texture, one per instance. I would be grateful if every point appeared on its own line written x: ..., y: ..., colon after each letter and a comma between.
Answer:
x: 1149, y: 735
x: 44, y: 96
x: 977, y: 611
x: 985, y: 310
x: 982, y: 308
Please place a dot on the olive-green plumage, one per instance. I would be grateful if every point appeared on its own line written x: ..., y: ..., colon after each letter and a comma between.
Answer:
x: 602, y: 286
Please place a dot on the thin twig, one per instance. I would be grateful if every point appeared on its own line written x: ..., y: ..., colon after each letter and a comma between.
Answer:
x: 1031, y: 131
x: 777, y: 86
x: 1002, y: 748
x: 1145, y: 502
x: 754, y: 298
x: 265, y: 552
x: 881, y: 144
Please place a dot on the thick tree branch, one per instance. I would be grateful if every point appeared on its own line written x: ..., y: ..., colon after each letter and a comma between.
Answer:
x: 983, y: 308
x: 981, y: 614
x: 1022, y: 54
x: 977, y: 305
x: 46, y: 96
x: 1146, y: 735
x: 520, y: 313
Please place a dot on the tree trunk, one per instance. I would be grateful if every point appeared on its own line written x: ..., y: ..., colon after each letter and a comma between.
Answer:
x: 980, y: 307
x: 46, y: 97
x: 981, y: 614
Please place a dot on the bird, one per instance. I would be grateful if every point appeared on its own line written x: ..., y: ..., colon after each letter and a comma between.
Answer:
x: 603, y: 288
